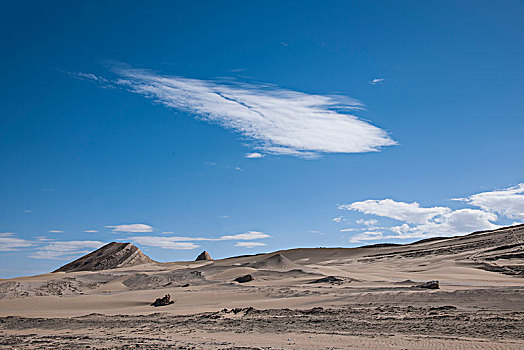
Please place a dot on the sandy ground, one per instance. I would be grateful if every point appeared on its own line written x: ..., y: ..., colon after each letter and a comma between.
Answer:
x: 374, y: 305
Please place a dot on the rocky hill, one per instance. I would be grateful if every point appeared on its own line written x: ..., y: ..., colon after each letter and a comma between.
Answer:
x: 111, y: 256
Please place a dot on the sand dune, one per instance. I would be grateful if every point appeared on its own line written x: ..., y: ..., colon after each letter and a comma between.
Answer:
x: 275, y: 262
x: 480, y: 300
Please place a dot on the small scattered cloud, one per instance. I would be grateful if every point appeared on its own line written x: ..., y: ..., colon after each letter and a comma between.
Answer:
x: 56, y: 231
x: 131, y: 228
x: 376, y: 81
x: 91, y: 231
x: 317, y: 232
x: 65, y: 250
x: 283, y: 43
x: 275, y: 120
x: 249, y: 244
x: 370, y: 222
x: 47, y: 190
x: 338, y: 219
x: 10, y: 243
x: 28, y: 211
x: 224, y: 217
x: 254, y: 155
x: 210, y: 163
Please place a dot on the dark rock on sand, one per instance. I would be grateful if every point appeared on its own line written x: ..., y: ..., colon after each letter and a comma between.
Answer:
x: 204, y: 256
x: 328, y: 279
x: 443, y: 308
x: 165, y: 300
x: 429, y: 285
x: 244, y: 279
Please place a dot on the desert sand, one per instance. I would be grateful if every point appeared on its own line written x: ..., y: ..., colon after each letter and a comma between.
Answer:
x: 311, y: 298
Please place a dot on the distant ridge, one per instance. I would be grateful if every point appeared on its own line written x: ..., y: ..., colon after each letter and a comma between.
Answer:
x: 111, y: 256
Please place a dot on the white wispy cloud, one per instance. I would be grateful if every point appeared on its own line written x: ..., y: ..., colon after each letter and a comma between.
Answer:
x: 56, y: 231
x: 88, y: 76
x: 508, y: 202
x: 246, y: 236
x: 368, y: 236
x: 44, y: 239
x: 249, y: 244
x: 9, y: 243
x: 131, y: 228
x: 409, y: 212
x: 164, y: 242
x: 65, y: 250
x: 254, y: 155
x: 276, y: 120
x: 91, y: 231
x: 376, y: 81
x: 181, y: 242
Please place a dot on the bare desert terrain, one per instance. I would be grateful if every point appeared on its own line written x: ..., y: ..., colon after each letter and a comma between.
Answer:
x: 313, y: 298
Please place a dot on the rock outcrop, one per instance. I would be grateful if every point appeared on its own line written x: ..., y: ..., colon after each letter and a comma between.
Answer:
x: 165, y: 300
x: 429, y: 285
x: 203, y: 256
x: 244, y: 279
x: 329, y: 279
x: 111, y: 256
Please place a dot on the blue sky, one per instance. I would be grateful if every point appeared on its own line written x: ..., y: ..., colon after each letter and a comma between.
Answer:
x: 243, y: 127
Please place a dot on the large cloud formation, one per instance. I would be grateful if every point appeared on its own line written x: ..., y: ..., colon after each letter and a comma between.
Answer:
x: 275, y: 120
x: 420, y: 222
x: 508, y: 202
